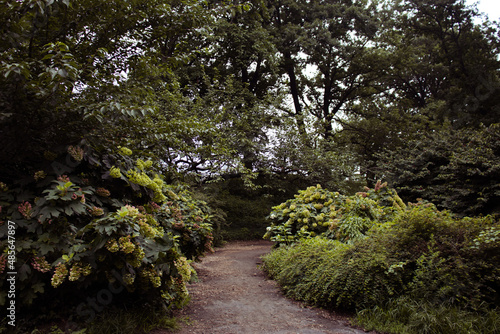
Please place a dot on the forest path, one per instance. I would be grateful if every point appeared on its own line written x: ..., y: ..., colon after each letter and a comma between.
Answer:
x: 234, y: 296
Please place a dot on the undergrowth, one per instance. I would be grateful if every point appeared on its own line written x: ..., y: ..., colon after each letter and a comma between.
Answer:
x: 417, y: 270
x: 407, y: 316
x: 131, y: 321
x: 111, y: 321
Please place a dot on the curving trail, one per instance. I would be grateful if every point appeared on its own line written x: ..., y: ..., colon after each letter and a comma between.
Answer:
x: 234, y: 296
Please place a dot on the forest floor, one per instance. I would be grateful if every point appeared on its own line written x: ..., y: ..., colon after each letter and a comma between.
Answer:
x: 233, y: 295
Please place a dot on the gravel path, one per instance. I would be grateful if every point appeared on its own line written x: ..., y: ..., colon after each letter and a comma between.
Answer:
x: 234, y: 296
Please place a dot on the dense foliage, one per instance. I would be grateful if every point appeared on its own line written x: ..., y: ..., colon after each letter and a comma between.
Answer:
x: 452, y: 168
x: 418, y: 253
x: 91, y: 115
x: 110, y: 228
x: 118, y: 117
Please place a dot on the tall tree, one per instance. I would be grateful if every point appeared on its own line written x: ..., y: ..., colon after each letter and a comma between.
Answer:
x: 444, y: 65
x: 107, y: 73
x: 330, y: 41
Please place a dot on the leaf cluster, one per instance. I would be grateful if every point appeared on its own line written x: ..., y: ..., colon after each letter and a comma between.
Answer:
x: 455, y: 169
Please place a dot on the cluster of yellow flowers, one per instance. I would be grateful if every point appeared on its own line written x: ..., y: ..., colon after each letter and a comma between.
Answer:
x: 142, y: 179
x: 126, y: 245
x: 139, y: 178
x: 112, y: 246
x: 128, y: 210
x: 135, y: 259
x: 77, y: 270
x: 156, y: 185
x: 143, y: 165
x: 115, y: 172
x: 181, y: 288
x: 184, y: 268
x: 147, y: 230
x: 125, y: 150
x: 151, y: 275
x: 59, y: 275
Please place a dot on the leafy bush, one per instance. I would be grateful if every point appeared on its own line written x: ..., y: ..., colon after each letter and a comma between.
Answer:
x: 316, y: 211
x: 109, y: 223
x: 417, y: 252
x: 448, y: 258
x: 458, y: 170
x: 333, y: 274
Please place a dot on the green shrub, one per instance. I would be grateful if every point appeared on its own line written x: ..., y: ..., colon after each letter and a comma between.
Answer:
x: 291, y: 266
x: 433, y: 259
x: 109, y: 222
x: 333, y: 274
x: 316, y: 211
x: 458, y: 170
x: 448, y: 259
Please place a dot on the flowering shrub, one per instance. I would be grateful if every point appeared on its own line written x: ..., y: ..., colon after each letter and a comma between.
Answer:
x: 105, y: 219
x: 424, y: 254
x: 316, y: 211
x: 412, y: 252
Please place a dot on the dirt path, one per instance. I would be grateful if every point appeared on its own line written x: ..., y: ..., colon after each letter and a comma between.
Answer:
x: 234, y: 296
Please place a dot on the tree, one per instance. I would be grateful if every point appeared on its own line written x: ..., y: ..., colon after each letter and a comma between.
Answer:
x: 456, y: 169
x: 437, y: 66
x: 444, y: 65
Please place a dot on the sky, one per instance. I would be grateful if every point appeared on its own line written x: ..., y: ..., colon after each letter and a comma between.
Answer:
x: 490, y: 7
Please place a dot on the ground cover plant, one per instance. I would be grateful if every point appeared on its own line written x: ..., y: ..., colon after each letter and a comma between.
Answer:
x: 401, y: 267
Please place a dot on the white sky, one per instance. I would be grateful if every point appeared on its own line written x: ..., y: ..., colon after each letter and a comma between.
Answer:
x: 490, y: 7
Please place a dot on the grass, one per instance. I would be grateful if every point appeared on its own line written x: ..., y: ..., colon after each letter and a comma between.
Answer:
x: 406, y: 316
x: 131, y: 321
x: 113, y: 321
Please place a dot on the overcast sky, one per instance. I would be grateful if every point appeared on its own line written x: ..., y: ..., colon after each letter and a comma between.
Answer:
x: 490, y: 7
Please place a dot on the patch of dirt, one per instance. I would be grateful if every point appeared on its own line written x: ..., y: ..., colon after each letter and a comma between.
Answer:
x: 233, y: 295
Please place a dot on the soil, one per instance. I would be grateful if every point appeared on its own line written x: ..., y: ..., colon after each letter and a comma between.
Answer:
x: 233, y: 295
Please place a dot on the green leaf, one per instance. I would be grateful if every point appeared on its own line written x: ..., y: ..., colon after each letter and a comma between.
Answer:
x: 24, y: 272
x: 38, y: 287
x: 45, y: 248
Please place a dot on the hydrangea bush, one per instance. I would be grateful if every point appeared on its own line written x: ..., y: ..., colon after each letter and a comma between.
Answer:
x: 316, y: 211
x: 90, y: 219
